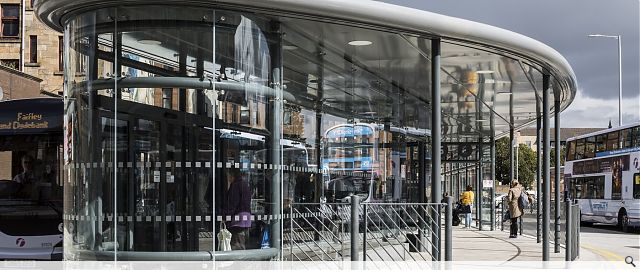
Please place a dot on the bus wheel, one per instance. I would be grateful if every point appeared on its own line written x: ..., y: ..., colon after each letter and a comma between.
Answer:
x: 623, y: 220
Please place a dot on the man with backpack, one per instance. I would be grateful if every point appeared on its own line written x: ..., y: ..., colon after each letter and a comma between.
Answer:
x: 517, y: 201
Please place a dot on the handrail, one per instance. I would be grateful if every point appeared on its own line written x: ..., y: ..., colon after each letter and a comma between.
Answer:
x: 179, y: 82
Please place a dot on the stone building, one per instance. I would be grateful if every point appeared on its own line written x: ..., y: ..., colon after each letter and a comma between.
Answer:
x: 29, y: 46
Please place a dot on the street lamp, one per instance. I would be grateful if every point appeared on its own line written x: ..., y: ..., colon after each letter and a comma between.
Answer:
x: 619, y: 38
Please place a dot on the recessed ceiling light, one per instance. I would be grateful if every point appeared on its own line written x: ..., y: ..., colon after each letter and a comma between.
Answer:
x: 360, y: 43
x: 485, y: 71
x: 149, y: 41
x: 503, y: 93
x: 289, y: 47
x: 481, y: 120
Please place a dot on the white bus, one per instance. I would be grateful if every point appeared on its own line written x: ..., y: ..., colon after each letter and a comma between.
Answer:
x: 31, y: 150
x: 603, y: 172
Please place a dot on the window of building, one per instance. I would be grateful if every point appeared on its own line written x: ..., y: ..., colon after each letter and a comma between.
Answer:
x: 60, y: 53
x: 33, y: 49
x: 244, y: 115
x: 10, y: 21
x: 12, y: 63
x: 612, y: 140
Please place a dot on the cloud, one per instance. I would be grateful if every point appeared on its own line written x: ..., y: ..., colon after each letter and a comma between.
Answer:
x: 586, y: 111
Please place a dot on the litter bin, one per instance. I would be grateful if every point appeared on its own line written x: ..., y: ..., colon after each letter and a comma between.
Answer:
x: 414, y: 243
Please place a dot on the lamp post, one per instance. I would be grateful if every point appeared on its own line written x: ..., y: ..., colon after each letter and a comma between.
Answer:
x: 619, y: 38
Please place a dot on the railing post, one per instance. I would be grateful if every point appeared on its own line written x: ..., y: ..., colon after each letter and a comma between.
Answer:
x: 355, y: 223
x: 448, y: 238
x: 576, y: 220
x: 364, y: 233
x: 502, y: 215
x: 568, y: 231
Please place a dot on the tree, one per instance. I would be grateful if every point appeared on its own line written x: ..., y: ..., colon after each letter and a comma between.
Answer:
x: 502, y: 160
x: 526, y: 163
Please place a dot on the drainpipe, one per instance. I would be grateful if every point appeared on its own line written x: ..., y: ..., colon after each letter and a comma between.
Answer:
x: 22, y: 29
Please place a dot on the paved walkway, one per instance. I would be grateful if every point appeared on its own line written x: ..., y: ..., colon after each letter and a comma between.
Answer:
x: 474, y: 245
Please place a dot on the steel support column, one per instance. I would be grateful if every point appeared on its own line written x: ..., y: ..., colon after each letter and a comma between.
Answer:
x: 546, y: 199
x: 538, y: 172
x: 493, y: 179
x: 556, y: 107
x: 479, y: 187
x: 436, y: 127
x: 511, y: 157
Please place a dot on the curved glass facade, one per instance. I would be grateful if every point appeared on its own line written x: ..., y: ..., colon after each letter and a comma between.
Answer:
x: 183, y: 121
x: 180, y: 121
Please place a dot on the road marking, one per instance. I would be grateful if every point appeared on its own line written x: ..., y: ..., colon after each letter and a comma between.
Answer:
x: 607, y: 255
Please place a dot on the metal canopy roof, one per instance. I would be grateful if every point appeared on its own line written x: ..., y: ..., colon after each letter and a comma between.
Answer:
x: 484, y: 65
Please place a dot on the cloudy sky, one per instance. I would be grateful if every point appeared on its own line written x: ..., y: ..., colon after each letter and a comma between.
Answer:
x: 564, y: 25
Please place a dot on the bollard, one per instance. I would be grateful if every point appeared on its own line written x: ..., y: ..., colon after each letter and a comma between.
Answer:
x: 568, y: 231
x: 448, y: 237
x: 355, y: 224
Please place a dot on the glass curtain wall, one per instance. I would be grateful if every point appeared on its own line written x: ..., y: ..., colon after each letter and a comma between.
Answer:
x: 180, y: 122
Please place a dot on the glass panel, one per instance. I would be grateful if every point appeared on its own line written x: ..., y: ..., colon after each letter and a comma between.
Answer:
x: 10, y: 28
x: 625, y: 138
x: 588, y: 187
x: 202, y: 130
x: 612, y: 140
x: 12, y: 11
x: 571, y: 150
x: 590, y: 147
x: 580, y: 149
x: 91, y: 141
x: 601, y: 143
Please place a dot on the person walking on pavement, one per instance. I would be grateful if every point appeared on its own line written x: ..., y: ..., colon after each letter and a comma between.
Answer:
x: 467, y: 198
x: 514, y: 207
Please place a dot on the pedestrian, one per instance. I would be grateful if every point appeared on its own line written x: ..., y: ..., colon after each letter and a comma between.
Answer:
x: 514, y: 207
x: 467, y: 198
x: 238, y: 206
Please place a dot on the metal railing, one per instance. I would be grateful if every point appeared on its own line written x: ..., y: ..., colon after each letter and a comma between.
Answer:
x: 367, y: 231
x: 569, y: 224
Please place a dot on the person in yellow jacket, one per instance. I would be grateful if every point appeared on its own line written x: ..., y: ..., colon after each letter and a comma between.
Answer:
x: 466, y: 199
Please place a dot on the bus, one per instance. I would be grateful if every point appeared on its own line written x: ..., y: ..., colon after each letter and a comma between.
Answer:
x: 376, y: 163
x: 603, y: 172
x: 348, y: 161
x: 31, y: 155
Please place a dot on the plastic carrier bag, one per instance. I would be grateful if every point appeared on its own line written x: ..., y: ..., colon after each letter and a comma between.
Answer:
x: 224, y: 238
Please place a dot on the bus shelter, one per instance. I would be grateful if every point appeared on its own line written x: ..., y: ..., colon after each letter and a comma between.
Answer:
x: 227, y: 113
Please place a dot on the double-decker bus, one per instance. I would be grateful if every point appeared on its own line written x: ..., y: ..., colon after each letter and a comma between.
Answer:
x: 603, y: 172
x: 349, y: 159
x: 374, y: 162
x: 31, y: 150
